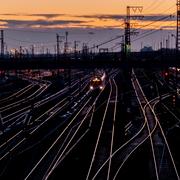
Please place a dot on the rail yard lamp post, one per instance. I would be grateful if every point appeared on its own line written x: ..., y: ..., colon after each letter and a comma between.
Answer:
x: 2, y: 43
x: 178, y: 27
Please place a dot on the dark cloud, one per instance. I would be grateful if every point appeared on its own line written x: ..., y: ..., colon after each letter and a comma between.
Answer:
x: 10, y: 14
x: 142, y: 17
x: 102, y: 17
x: 47, y: 16
x: 159, y: 18
x: 85, y: 23
x: 28, y: 23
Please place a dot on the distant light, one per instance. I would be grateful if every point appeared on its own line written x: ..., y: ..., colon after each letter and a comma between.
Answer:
x: 101, y: 87
x: 91, y: 87
x: 96, y: 80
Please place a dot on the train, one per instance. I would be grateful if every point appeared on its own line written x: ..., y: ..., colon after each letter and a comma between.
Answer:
x: 98, y: 81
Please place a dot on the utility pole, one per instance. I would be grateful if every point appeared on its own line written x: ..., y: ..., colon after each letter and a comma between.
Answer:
x: 166, y: 44
x: 127, y: 31
x: 20, y: 52
x: 5, y: 48
x: 58, y: 50
x: 161, y: 46
x: 178, y: 27
x: 2, y: 43
x: 47, y: 51
x: 42, y: 49
x: 128, y: 26
x: 85, y: 49
x: 177, y: 43
x: 32, y: 50
x: 75, y: 46
x: 66, y: 43
x: 169, y: 43
x: 55, y: 50
x: 27, y: 52
x: 58, y: 41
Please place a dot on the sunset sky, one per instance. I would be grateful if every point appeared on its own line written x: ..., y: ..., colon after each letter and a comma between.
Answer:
x: 80, y: 6
x: 103, y: 17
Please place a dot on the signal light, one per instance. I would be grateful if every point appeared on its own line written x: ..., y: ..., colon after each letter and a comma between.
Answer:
x: 101, y: 87
x: 174, y: 100
x: 166, y: 74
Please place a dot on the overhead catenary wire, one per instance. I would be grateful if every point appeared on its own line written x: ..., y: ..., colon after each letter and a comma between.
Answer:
x: 119, y: 36
x: 149, y: 32
x: 154, y: 20
x: 155, y: 5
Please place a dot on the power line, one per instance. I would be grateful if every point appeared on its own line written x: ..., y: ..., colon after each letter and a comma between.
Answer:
x: 157, y: 20
x: 108, y: 41
x: 152, y: 32
x: 153, y: 22
x: 154, y: 5
x: 146, y: 34
x: 119, y: 36
x: 32, y: 42
x: 151, y: 4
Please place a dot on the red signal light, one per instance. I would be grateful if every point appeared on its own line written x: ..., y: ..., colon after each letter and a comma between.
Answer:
x: 166, y: 74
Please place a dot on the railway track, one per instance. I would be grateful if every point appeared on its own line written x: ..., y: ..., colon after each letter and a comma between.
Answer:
x: 148, y: 132
x: 19, y: 137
